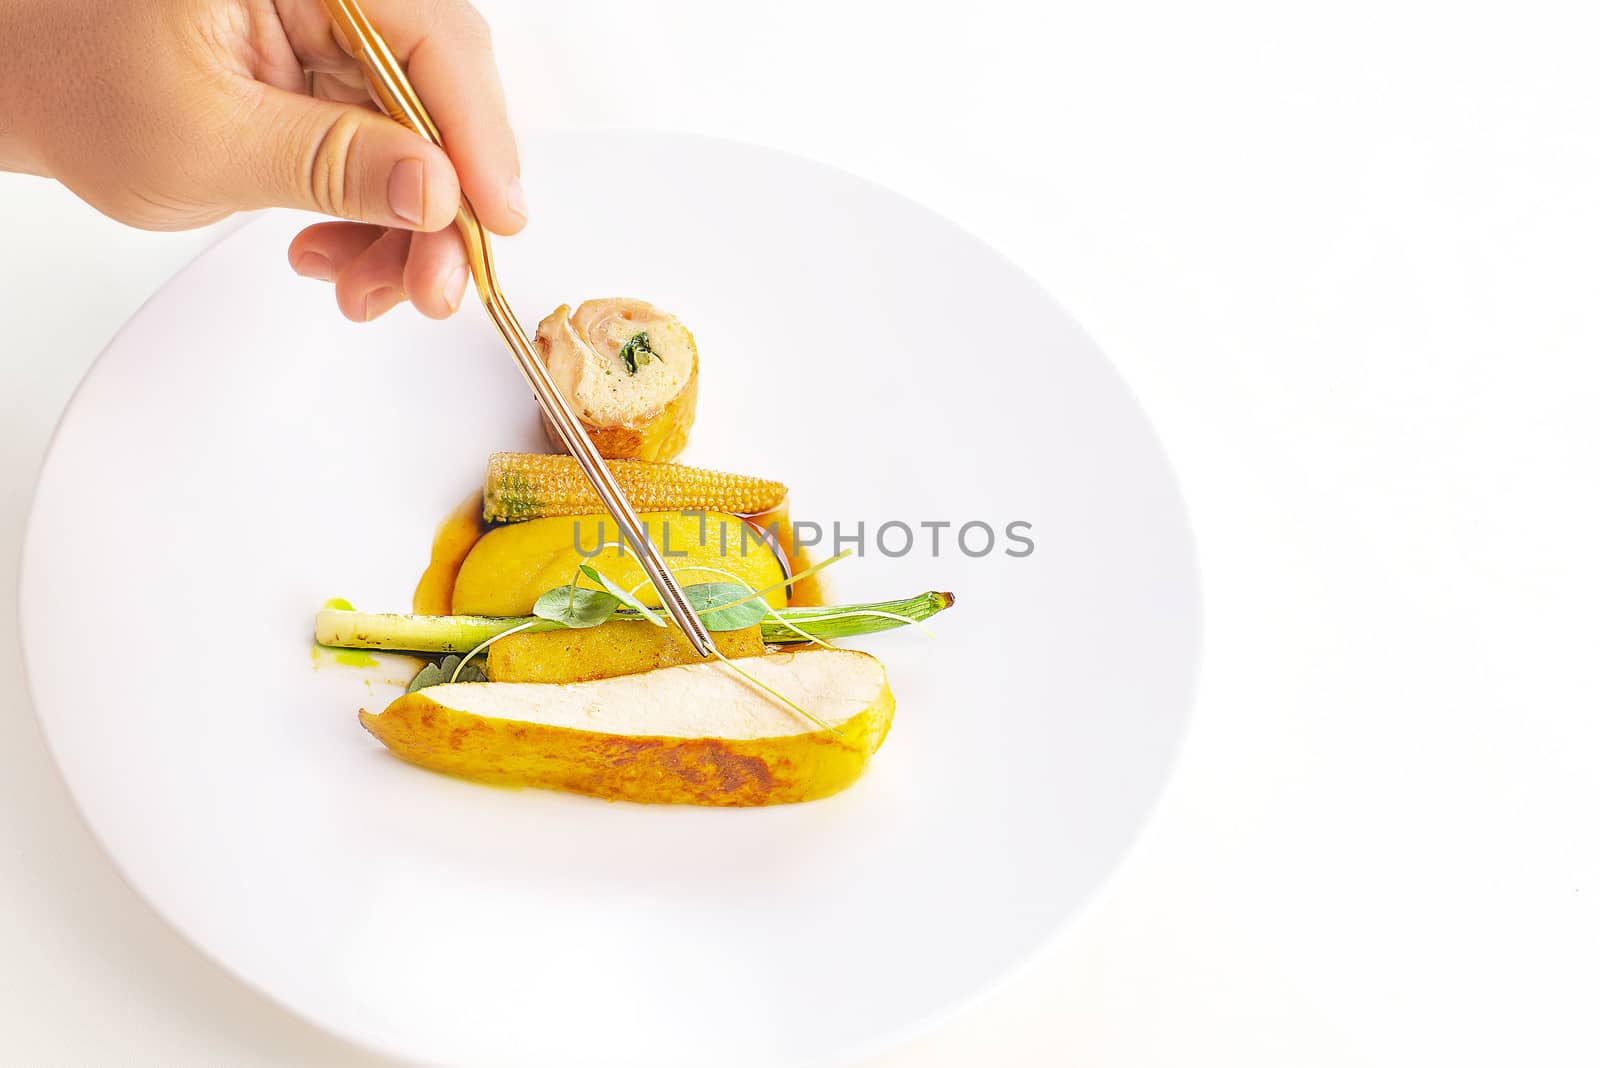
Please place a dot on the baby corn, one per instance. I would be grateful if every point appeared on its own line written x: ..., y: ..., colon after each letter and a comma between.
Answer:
x: 522, y: 486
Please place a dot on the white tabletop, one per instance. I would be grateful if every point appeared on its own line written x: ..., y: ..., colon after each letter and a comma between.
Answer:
x: 1349, y: 262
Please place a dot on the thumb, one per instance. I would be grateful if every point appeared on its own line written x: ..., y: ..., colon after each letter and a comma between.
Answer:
x: 343, y: 160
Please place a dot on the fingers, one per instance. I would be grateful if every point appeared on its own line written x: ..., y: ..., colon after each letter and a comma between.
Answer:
x: 324, y: 251
x: 436, y: 273
x: 350, y: 162
x: 449, y: 58
x: 373, y: 270
x: 453, y: 69
x: 337, y: 88
x: 374, y: 281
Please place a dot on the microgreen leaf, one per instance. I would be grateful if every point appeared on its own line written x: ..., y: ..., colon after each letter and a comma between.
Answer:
x: 713, y: 602
x: 791, y: 580
x: 623, y: 595
x: 574, y: 606
x: 450, y: 669
x: 430, y: 675
x: 635, y: 351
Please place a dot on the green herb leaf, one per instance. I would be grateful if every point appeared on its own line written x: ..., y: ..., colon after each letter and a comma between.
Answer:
x: 437, y: 674
x: 622, y: 595
x: 709, y: 598
x: 574, y: 606
x: 635, y: 351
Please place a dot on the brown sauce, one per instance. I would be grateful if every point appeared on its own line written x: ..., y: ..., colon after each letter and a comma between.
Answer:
x: 452, y: 541
x: 807, y: 591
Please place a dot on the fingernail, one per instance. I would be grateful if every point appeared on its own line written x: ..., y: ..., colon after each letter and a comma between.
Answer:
x: 516, y: 199
x: 314, y: 265
x: 405, y: 191
x: 455, y: 287
x: 379, y: 301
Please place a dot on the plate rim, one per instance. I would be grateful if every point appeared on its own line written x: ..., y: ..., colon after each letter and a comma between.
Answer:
x: 923, y: 1025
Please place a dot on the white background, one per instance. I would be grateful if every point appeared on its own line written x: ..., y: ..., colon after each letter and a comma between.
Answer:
x: 1348, y: 257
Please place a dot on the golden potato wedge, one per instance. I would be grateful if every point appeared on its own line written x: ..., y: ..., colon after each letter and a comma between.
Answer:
x: 622, y: 647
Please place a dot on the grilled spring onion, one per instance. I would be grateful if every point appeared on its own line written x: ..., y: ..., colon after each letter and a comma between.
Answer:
x: 522, y: 486
x: 457, y: 634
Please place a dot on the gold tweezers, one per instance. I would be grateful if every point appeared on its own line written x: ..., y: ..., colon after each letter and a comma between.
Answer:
x: 393, y: 91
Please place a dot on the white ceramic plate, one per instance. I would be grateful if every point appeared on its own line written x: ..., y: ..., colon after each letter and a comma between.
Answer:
x: 240, y: 453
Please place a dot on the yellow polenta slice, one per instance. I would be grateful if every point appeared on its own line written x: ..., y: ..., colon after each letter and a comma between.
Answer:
x: 512, y: 565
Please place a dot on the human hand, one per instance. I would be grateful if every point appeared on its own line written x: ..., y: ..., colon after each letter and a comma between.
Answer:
x: 171, y: 114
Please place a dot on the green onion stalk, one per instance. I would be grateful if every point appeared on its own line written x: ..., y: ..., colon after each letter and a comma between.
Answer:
x: 345, y: 629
